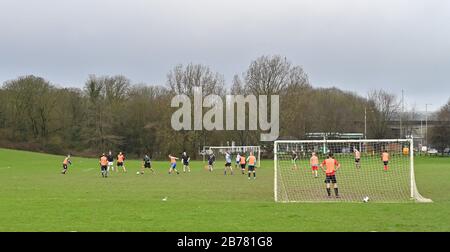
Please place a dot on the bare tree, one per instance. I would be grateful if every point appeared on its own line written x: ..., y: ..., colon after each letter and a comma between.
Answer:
x: 3, y: 111
x: 182, y: 80
x: 408, y: 119
x: 384, y: 107
x: 34, y: 100
x: 95, y: 132
x: 116, y: 88
x: 237, y: 87
x: 440, y: 134
x: 297, y: 79
x: 267, y: 75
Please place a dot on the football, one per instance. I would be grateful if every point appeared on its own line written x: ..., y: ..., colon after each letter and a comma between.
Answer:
x: 366, y: 199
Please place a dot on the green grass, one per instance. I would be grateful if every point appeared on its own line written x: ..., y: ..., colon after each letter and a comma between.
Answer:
x: 34, y: 196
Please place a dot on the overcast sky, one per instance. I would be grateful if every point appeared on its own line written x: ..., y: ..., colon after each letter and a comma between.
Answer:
x: 354, y: 45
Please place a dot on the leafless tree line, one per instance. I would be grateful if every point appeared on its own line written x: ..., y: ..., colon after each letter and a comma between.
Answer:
x: 110, y: 112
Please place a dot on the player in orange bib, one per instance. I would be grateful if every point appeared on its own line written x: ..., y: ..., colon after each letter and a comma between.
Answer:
x: 242, y: 162
x: 121, y: 162
x: 385, y: 159
x: 238, y: 160
x: 173, y: 164
x: 251, y: 160
x: 314, y: 162
x: 331, y: 166
x: 66, y: 162
x: 104, y: 165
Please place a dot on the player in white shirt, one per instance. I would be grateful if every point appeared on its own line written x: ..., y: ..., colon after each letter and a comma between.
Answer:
x: 110, y: 158
x: 227, y: 163
x: 238, y: 160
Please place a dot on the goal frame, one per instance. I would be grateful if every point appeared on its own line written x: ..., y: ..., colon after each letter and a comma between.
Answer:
x: 414, y: 192
x: 258, y: 160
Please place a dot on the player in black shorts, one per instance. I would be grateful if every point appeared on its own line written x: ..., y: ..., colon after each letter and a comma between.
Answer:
x: 251, y: 161
x: 120, y: 162
x: 66, y: 162
x: 228, y: 163
x: 330, y: 179
x: 211, y: 161
x: 243, y: 163
x: 146, y: 163
x: 330, y: 166
x: 385, y: 159
x: 185, y: 159
x: 104, y: 165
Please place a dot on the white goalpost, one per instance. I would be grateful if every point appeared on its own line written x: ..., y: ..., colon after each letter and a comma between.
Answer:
x: 219, y: 152
x: 370, y: 178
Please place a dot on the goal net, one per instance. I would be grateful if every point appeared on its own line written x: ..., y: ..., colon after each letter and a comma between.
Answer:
x: 369, y: 178
x: 219, y: 152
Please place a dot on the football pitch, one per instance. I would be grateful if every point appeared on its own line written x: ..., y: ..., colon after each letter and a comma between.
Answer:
x: 34, y: 196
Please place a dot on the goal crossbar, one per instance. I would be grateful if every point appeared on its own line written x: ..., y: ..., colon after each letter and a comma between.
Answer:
x: 346, y: 141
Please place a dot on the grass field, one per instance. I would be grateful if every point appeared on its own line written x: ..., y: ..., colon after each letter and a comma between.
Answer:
x: 34, y: 196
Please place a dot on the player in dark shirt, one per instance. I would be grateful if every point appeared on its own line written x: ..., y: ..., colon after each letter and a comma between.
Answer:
x: 211, y: 161
x: 185, y: 159
x: 110, y: 158
x: 146, y: 163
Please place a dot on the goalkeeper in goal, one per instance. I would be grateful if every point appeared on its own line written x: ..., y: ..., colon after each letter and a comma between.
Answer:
x: 331, y: 166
